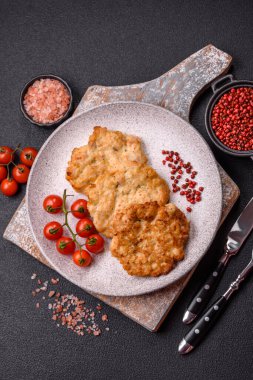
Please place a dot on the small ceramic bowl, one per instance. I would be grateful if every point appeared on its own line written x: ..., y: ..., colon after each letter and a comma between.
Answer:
x: 218, y: 91
x: 59, y: 121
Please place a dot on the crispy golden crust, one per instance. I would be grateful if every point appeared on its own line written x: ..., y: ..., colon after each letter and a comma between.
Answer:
x: 112, y: 192
x: 106, y: 151
x: 149, y: 238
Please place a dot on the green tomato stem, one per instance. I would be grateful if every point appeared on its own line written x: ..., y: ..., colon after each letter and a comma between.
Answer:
x: 66, y: 223
x: 11, y: 162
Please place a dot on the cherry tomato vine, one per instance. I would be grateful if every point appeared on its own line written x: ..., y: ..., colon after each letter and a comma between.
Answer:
x: 20, y: 172
x: 84, y: 228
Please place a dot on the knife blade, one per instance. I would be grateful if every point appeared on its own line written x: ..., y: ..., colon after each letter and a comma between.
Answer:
x: 235, y: 239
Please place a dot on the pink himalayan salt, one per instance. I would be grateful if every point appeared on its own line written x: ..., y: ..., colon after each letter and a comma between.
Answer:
x: 46, y: 100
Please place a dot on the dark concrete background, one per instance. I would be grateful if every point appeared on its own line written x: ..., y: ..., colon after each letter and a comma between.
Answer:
x: 116, y: 43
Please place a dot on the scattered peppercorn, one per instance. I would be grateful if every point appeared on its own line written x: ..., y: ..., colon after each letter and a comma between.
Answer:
x: 177, y: 168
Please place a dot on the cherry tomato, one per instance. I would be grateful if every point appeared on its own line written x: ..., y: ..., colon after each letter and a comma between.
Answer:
x: 82, y: 258
x: 65, y: 245
x: 21, y: 173
x: 5, y: 155
x: 27, y: 156
x: 53, y: 231
x: 9, y: 187
x: 85, y: 227
x: 53, y: 204
x: 95, y: 243
x: 79, y: 209
x: 3, y: 173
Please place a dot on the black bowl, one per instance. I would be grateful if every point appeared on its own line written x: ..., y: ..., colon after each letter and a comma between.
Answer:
x: 219, y: 91
x: 64, y: 117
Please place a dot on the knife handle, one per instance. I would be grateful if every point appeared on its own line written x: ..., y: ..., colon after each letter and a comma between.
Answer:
x: 200, y: 329
x: 203, y: 296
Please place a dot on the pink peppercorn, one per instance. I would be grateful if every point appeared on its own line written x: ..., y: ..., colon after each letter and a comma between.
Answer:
x: 232, y: 119
x: 191, y: 194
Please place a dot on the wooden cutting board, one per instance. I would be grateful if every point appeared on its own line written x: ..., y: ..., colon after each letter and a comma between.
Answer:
x: 176, y: 90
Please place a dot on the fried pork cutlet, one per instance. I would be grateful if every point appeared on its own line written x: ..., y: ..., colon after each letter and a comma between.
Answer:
x: 112, y: 192
x: 149, y: 239
x: 106, y: 152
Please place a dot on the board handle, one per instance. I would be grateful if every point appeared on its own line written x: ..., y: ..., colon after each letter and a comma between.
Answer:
x: 176, y: 90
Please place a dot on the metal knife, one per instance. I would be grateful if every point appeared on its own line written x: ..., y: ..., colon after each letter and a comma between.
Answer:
x: 197, y: 333
x: 235, y: 239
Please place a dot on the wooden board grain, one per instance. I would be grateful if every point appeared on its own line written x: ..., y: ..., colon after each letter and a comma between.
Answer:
x: 175, y: 90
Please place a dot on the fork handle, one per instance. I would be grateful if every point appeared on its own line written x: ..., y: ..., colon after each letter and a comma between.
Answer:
x: 204, y: 324
x: 201, y: 299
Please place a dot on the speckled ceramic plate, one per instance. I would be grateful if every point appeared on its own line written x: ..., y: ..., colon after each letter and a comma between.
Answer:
x: 159, y: 129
